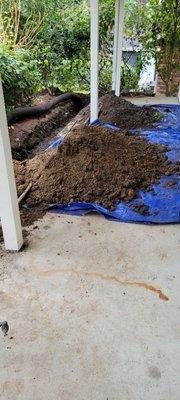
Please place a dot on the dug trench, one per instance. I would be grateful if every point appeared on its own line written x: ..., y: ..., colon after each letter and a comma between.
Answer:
x: 36, y: 126
x: 95, y: 164
x: 32, y: 128
x: 31, y: 135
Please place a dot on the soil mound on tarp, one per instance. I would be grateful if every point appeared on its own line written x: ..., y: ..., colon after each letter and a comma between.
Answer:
x: 124, y: 114
x: 95, y: 165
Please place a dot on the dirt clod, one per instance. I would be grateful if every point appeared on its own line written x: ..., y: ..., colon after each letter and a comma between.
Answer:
x: 141, y: 208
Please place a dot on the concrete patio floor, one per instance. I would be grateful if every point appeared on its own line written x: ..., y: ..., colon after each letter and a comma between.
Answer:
x: 146, y: 100
x: 89, y: 318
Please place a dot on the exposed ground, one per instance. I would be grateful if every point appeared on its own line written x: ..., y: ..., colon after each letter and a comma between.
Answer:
x: 93, y: 164
x: 32, y: 135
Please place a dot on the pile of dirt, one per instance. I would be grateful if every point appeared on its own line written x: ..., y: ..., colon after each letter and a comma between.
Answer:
x: 95, y: 165
x: 124, y: 114
x: 32, y: 135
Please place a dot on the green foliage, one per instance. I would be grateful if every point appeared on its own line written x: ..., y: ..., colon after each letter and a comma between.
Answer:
x: 46, y: 43
x: 134, y: 18
x: 63, y: 40
x: 20, y: 76
x: 161, y: 37
x: 19, y: 70
x: 129, y: 78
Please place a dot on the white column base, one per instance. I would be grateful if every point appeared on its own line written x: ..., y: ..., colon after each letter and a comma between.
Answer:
x: 9, y: 210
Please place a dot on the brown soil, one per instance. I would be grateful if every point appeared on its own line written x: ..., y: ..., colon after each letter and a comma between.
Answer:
x: 28, y: 217
x: 141, y: 208
x: 26, y: 135
x: 33, y: 134
x: 95, y: 165
x: 124, y: 114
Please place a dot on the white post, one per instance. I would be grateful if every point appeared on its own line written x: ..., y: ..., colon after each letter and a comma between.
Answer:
x: 94, y: 5
x: 9, y: 210
x: 116, y: 30
x: 119, y: 47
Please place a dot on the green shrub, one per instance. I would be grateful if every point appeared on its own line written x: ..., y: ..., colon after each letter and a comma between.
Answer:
x: 46, y: 43
x: 19, y: 74
x: 129, y: 78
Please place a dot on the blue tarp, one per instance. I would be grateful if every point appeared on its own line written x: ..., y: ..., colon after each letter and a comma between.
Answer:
x: 163, y: 201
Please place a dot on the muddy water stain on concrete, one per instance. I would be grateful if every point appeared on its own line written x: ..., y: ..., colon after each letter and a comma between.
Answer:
x: 154, y: 372
x: 103, y: 277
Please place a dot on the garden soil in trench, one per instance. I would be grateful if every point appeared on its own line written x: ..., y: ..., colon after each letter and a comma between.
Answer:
x: 32, y: 135
x: 95, y: 164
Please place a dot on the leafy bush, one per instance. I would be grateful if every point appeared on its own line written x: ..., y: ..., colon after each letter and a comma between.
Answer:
x: 20, y: 76
x: 160, y: 38
x: 47, y: 44
x: 129, y: 78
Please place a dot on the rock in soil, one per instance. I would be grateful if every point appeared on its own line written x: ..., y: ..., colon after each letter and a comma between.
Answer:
x: 95, y: 165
